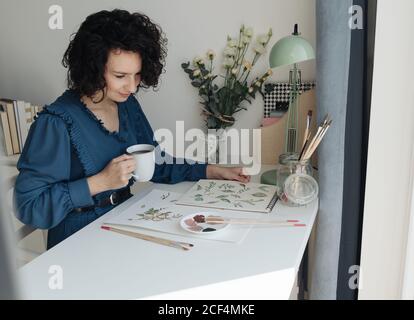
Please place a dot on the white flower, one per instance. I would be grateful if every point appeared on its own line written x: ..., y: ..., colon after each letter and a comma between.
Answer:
x: 234, y: 71
x: 210, y: 54
x: 196, y: 72
x: 248, y: 32
x: 229, y: 52
x: 228, y: 63
x: 258, y: 83
x: 197, y: 61
x: 260, y: 49
x: 251, y: 89
x: 269, y: 72
x: 245, y: 40
x: 263, y: 39
x: 231, y: 43
x: 247, y: 65
x: 270, y: 33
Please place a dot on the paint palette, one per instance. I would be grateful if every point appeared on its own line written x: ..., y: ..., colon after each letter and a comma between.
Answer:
x: 195, y: 223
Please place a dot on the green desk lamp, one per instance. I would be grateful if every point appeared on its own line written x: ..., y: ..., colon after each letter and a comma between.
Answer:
x: 287, y: 51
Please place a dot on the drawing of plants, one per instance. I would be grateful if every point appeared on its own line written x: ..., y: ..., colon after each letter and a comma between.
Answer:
x: 230, y: 193
x: 244, y: 188
x: 165, y: 196
x: 264, y: 188
x: 259, y: 194
x: 153, y: 214
x: 210, y: 186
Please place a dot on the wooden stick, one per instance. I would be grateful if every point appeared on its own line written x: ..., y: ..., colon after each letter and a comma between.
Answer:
x: 304, y: 146
x: 221, y: 220
x: 308, y: 153
x: 310, y: 145
x: 318, y: 140
x: 308, y: 122
x: 268, y: 223
x: 166, y: 242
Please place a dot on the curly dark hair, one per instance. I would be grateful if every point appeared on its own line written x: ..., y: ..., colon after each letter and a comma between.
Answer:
x: 101, y: 32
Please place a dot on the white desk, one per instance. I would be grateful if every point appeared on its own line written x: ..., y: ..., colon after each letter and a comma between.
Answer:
x: 98, y: 264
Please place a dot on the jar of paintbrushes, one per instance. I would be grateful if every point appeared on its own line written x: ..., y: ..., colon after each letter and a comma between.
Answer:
x: 294, y: 175
x: 295, y: 183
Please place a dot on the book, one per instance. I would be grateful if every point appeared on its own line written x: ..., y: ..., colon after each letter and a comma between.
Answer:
x: 24, y: 112
x: 8, y: 147
x: 29, y: 117
x: 231, y: 195
x: 16, y: 116
x: 12, y: 125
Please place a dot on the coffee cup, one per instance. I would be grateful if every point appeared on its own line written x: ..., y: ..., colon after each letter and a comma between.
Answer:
x: 144, y: 155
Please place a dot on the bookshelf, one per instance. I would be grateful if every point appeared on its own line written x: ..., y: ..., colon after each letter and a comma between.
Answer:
x: 16, y: 117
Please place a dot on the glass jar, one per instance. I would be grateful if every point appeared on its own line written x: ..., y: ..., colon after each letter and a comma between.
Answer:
x: 287, y: 157
x: 295, y: 183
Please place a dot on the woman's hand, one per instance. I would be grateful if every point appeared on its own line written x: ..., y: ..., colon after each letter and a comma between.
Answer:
x: 222, y: 173
x: 115, y: 175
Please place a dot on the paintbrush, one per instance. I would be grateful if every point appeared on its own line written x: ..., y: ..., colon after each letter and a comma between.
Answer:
x: 170, y: 243
x: 307, y: 129
x: 323, y: 128
x: 279, y: 223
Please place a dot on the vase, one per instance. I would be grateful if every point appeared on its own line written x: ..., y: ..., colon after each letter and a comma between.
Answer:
x: 216, y: 146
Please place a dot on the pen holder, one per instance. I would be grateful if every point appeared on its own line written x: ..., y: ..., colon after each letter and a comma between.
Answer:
x: 295, y: 183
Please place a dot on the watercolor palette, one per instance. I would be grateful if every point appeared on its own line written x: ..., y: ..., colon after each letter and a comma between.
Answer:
x: 195, y: 223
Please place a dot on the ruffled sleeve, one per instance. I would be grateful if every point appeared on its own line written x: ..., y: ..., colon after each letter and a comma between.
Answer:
x: 172, y: 170
x: 44, y: 193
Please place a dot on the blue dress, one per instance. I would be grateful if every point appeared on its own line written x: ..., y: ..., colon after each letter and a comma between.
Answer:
x: 65, y: 145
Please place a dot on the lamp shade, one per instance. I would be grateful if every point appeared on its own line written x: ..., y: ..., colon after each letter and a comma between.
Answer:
x: 289, y: 50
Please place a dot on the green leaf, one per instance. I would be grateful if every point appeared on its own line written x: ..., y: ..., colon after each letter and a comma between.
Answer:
x: 259, y: 194
x: 185, y: 65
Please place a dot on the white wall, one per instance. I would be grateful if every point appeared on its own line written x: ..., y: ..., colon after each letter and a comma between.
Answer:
x: 31, y: 53
x: 390, y: 155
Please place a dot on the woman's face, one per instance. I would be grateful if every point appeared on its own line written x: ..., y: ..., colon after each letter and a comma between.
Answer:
x: 122, y: 74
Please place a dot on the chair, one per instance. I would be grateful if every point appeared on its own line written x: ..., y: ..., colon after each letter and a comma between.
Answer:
x: 25, y: 253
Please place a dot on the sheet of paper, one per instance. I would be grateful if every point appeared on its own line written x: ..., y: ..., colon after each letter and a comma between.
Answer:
x: 157, y: 211
x: 231, y: 195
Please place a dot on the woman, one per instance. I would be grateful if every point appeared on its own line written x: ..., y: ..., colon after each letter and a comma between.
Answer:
x: 73, y: 167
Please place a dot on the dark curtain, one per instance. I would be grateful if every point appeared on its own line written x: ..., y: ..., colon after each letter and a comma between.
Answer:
x: 356, y: 150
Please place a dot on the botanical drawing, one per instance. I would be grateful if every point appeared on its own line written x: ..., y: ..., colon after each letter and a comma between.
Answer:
x: 156, y: 215
x: 229, y: 193
x: 165, y: 196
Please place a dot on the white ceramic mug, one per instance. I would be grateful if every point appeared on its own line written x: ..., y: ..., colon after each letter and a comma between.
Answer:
x: 144, y: 155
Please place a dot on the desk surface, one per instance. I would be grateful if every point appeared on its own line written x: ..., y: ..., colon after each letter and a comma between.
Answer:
x: 98, y: 264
